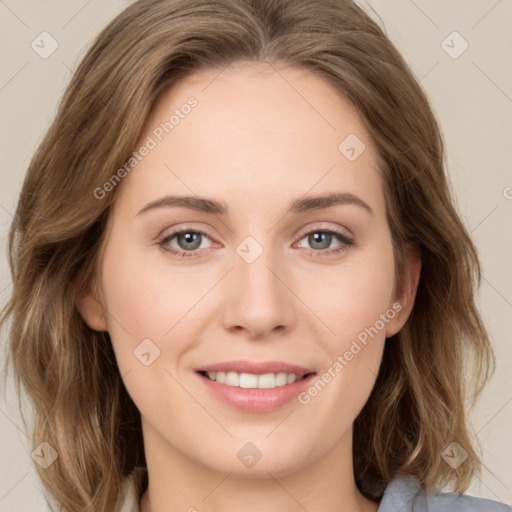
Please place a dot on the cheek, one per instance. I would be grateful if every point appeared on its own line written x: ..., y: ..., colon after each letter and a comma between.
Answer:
x: 149, y: 312
x: 357, y: 309
x: 147, y: 300
x: 352, y: 298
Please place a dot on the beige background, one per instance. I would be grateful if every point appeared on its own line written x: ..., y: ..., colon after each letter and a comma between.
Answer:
x: 472, y: 97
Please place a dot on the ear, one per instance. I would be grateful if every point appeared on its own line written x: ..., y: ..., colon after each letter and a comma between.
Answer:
x: 90, y: 308
x: 404, y: 296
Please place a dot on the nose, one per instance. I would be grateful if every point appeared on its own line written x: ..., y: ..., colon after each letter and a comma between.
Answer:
x: 259, y: 300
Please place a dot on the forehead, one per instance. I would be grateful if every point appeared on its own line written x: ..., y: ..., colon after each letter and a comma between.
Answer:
x: 254, y: 128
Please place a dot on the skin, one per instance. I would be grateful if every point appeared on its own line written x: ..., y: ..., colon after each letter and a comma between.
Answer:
x: 259, y: 138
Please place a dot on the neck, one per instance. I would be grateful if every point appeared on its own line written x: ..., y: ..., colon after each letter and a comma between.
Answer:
x: 178, y: 482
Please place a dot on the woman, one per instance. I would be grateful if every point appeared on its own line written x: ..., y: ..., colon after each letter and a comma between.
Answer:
x: 239, y: 278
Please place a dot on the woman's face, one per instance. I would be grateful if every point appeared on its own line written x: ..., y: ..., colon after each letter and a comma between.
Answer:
x: 218, y: 258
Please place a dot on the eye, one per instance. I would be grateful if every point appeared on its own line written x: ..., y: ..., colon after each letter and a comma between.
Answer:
x: 188, y: 241
x: 321, y: 239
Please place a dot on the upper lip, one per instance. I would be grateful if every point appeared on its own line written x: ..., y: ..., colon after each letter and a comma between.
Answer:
x: 256, y: 368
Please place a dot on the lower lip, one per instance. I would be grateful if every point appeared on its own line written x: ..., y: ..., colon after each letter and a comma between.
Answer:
x: 256, y: 400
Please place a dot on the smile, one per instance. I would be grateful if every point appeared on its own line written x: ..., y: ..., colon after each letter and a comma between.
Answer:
x: 253, y: 381
x: 255, y: 386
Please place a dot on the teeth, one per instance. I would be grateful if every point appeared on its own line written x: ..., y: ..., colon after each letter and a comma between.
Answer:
x: 232, y: 379
x: 246, y: 380
x: 251, y: 381
x: 281, y: 379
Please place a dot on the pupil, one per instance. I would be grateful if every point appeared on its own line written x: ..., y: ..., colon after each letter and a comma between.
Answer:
x: 323, y: 239
x: 192, y: 240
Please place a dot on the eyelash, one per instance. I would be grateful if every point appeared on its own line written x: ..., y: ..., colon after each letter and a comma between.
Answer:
x: 347, y: 241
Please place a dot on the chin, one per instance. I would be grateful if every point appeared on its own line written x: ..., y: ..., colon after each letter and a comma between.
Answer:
x: 257, y: 458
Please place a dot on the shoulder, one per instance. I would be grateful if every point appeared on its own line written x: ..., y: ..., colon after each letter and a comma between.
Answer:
x: 405, y: 493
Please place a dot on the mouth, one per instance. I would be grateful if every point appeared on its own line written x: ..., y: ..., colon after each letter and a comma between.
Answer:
x: 254, y: 381
x: 255, y: 386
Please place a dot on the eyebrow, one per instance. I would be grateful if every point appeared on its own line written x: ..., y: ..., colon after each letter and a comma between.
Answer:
x: 300, y: 205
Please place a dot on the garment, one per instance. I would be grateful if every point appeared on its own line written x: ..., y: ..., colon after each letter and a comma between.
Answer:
x: 403, y: 494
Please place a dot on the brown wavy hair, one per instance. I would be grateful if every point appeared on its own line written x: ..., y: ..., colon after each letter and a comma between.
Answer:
x: 81, y: 407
